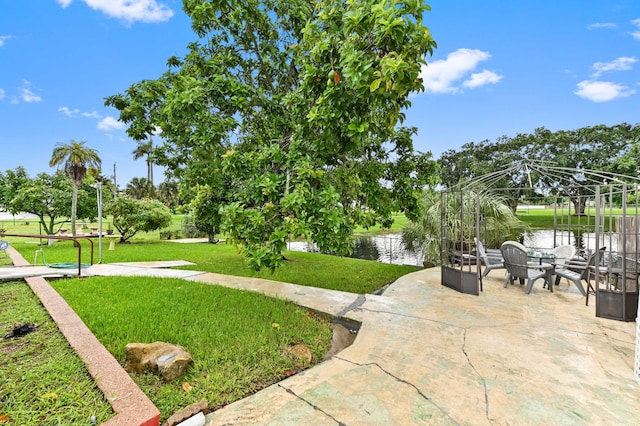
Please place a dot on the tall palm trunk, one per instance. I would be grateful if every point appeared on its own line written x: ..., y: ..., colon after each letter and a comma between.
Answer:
x: 74, y: 209
x: 149, y: 170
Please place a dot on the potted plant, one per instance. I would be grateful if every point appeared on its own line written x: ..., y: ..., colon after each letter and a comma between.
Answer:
x: 109, y: 230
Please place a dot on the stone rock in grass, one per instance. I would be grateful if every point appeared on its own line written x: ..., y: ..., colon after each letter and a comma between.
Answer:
x: 170, y: 361
x: 186, y: 413
x: 301, y: 354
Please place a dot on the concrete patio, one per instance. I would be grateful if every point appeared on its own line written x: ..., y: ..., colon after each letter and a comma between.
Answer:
x: 426, y: 354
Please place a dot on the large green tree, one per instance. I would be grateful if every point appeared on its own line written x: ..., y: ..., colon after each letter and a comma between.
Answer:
x: 131, y: 216
x: 140, y: 188
x: 77, y: 160
x: 49, y: 197
x: 290, y: 112
x: 10, y: 182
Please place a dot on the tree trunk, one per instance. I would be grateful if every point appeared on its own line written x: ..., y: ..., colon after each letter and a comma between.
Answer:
x: 74, y: 207
x: 149, y: 171
x: 579, y: 205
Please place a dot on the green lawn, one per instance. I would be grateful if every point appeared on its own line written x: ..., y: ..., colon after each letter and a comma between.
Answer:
x: 42, y: 381
x: 238, y: 339
x: 544, y: 219
x: 310, y: 269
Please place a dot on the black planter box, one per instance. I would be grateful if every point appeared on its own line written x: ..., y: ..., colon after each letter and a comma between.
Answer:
x: 617, y: 305
x: 463, y: 281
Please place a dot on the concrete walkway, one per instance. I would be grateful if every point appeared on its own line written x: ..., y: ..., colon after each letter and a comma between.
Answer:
x: 426, y: 354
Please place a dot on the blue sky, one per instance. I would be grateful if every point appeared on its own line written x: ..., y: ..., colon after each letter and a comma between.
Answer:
x: 501, y: 68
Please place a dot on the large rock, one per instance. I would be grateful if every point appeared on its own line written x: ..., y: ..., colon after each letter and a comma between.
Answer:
x: 170, y: 361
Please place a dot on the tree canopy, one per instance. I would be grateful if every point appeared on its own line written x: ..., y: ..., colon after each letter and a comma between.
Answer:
x: 290, y: 113
x: 47, y: 196
x: 131, y: 216
x: 609, y: 149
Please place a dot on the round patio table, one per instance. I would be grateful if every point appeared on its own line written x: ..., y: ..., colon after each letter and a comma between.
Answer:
x: 549, y: 267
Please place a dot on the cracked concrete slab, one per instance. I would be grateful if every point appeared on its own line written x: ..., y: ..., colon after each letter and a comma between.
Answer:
x: 426, y: 354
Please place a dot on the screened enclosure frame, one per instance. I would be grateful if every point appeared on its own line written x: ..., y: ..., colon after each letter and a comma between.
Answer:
x: 592, y: 210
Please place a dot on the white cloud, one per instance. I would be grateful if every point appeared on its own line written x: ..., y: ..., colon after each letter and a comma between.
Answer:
x: 130, y: 10
x: 92, y: 114
x: 3, y: 38
x: 482, y: 78
x: 602, y: 91
x: 28, y: 96
x: 442, y: 76
x: 623, y: 63
x: 109, y: 123
x: 602, y: 25
x: 64, y: 3
x: 68, y: 112
x: 2, y: 92
x: 636, y: 34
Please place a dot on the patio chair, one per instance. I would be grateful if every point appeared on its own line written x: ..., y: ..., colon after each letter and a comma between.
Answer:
x: 518, y: 265
x: 563, y: 253
x: 577, y: 270
x: 491, y: 260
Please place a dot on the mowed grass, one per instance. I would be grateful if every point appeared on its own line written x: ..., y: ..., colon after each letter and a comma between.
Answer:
x: 238, y: 339
x: 42, y: 381
x: 544, y: 218
x: 309, y: 269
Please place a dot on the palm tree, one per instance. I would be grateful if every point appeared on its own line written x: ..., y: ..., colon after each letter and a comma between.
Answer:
x: 145, y: 149
x: 140, y: 188
x: 78, y: 160
x: 424, y: 235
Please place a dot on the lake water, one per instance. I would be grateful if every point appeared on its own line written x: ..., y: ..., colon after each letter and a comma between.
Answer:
x: 544, y: 240
x: 387, y: 248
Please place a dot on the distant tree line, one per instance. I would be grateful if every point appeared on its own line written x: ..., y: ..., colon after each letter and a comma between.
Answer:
x: 50, y: 198
x: 610, y: 149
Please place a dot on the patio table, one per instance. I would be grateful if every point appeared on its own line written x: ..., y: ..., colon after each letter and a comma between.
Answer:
x: 549, y: 267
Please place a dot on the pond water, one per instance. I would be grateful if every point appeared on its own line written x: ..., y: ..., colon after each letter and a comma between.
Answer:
x: 544, y: 240
x: 387, y: 248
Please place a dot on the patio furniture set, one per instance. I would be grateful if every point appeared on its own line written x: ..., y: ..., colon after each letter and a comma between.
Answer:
x: 528, y: 266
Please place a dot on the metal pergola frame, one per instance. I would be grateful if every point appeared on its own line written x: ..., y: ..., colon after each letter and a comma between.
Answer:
x: 463, y: 218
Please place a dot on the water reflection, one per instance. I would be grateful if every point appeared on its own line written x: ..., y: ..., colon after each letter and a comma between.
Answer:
x: 387, y: 248
x: 548, y: 239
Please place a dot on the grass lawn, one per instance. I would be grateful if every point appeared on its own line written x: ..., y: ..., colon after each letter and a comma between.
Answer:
x: 238, y: 339
x: 399, y: 222
x: 310, y: 269
x: 544, y: 219
x: 42, y: 381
